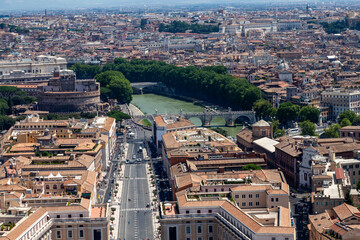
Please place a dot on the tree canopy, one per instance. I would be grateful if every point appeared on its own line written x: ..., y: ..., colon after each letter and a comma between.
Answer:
x: 119, y: 116
x: 287, y: 112
x: 181, y: 27
x: 309, y: 113
x: 115, y: 85
x: 86, y: 71
x: 308, y: 128
x: 350, y: 115
x: 332, y: 131
x: 345, y: 122
x: 211, y: 83
x: 264, y: 109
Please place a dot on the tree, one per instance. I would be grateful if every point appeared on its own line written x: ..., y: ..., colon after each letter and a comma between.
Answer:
x: 84, y: 71
x: 345, y: 122
x: 347, y: 114
x: 4, y: 107
x: 309, y: 113
x: 356, y: 121
x: 251, y: 166
x: 333, y: 131
x: 121, y: 89
x: 264, y: 109
x: 308, y: 128
x: 104, y: 78
x: 6, y: 122
x: 358, y: 185
x: 119, y: 116
x: 276, y: 131
x: 252, y: 94
x: 287, y: 112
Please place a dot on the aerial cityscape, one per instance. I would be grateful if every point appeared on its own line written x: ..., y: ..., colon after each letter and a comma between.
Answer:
x: 179, y: 120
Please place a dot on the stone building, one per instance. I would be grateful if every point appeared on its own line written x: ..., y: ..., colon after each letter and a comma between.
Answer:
x: 39, y: 69
x: 64, y: 93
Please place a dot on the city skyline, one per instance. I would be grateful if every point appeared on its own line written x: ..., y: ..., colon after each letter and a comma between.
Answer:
x: 21, y: 5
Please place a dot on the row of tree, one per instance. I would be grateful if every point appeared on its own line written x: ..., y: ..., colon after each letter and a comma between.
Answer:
x: 211, y: 84
x: 346, y: 118
x: 9, y: 97
x: 339, y: 26
x: 287, y: 113
x: 181, y: 27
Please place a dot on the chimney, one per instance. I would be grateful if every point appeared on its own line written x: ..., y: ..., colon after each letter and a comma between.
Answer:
x: 331, y: 155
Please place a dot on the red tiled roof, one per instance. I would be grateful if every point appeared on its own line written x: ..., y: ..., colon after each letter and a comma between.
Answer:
x: 339, y: 173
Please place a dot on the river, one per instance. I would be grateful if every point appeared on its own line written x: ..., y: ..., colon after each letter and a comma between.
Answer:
x: 150, y: 103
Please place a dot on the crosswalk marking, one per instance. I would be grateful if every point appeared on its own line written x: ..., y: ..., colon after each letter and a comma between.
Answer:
x: 135, y: 209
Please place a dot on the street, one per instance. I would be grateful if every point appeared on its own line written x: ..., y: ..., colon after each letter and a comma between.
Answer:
x: 135, y: 206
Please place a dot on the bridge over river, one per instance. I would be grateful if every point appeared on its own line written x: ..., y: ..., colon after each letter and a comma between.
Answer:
x: 207, y: 116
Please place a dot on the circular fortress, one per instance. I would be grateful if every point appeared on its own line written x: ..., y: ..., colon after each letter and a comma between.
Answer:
x: 64, y: 93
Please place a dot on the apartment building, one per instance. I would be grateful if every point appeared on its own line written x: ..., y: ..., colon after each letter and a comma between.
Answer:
x: 95, y: 137
x: 219, y: 218
x: 340, y: 101
x: 227, y: 205
x: 76, y: 221
x: 340, y: 222
x: 179, y: 146
x: 350, y: 131
x: 164, y: 124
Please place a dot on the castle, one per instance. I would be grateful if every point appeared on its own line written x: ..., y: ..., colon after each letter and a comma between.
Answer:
x: 64, y: 93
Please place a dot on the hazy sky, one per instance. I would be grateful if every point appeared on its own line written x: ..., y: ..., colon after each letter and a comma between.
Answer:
x: 74, y: 4
x: 71, y: 4
x: 68, y: 4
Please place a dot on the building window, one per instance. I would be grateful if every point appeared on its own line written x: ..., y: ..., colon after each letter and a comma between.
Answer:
x: 81, y: 215
x: 54, y: 186
x: 272, y: 199
x: 187, y: 212
x: 257, y: 203
x: 250, y: 204
x: 198, y: 211
x: 277, y: 199
x: 70, y: 234
x: 273, y: 238
x: 188, y: 229
x: 243, y: 204
x: 211, y: 238
x: 250, y: 195
x: 210, y: 211
x: 243, y: 196
x: 57, y: 216
x: 199, y: 229
x: 58, y: 234
x: 257, y: 195
x: 81, y: 233
x: 236, y: 196
x: 210, y: 229
x: 69, y: 216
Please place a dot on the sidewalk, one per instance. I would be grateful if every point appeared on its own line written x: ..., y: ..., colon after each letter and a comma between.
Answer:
x: 116, y: 201
x: 155, y: 213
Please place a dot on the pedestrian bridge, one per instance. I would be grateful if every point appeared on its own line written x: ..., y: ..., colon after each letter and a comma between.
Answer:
x: 207, y: 116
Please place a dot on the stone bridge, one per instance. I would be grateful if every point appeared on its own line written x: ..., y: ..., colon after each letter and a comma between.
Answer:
x: 207, y: 116
x: 141, y: 85
x: 138, y: 87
